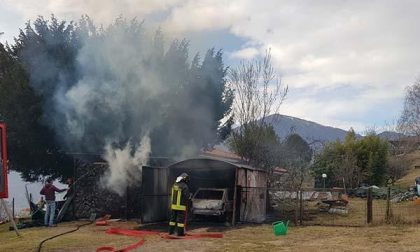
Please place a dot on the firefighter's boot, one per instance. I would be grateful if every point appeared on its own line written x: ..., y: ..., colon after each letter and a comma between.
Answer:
x: 180, y: 231
x: 171, y: 228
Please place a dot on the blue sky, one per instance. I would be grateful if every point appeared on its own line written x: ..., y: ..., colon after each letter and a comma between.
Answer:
x: 346, y: 63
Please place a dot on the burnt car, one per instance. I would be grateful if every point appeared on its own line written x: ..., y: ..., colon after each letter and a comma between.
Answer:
x: 212, y: 202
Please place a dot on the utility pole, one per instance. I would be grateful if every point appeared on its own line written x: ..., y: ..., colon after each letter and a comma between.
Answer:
x: 324, y: 176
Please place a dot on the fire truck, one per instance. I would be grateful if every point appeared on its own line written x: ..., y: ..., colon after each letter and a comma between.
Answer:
x: 4, y: 192
x: 3, y: 162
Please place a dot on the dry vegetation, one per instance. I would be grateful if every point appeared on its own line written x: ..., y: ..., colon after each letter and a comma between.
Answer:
x: 88, y: 238
x: 408, y: 180
x: 407, y: 212
x: 241, y: 238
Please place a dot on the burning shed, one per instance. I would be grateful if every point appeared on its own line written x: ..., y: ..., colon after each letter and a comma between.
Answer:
x: 246, y: 186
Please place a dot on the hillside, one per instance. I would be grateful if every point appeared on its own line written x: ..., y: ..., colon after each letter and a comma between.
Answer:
x: 413, y: 172
x: 390, y: 135
x: 310, y: 131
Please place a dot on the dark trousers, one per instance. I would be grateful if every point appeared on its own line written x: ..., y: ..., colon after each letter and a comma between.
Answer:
x: 177, y: 221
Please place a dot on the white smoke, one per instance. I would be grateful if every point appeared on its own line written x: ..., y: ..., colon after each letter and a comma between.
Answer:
x: 121, y: 85
x: 125, y: 165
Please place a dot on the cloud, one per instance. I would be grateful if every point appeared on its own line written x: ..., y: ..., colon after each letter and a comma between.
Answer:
x: 246, y: 53
x: 344, y: 107
x: 366, y: 45
x: 103, y: 11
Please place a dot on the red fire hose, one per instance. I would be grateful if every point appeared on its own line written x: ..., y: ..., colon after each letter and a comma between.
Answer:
x: 142, y: 233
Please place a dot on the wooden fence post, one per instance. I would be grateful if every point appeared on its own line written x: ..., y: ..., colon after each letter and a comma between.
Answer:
x: 296, y: 208
x: 388, y: 206
x: 369, y: 205
x: 301, y: 207
x: 13, y: 207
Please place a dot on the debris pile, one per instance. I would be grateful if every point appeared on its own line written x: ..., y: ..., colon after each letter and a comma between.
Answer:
x: 333, y: 202
x: 404, y: 196
x: 307, y: 195
x: 397, y: 195
x: 377, y: 192
x: 340, y: 210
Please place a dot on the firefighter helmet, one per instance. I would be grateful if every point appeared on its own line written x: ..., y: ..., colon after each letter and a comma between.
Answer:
x: 183, y: 177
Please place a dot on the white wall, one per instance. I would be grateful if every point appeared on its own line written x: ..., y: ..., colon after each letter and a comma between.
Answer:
x: 17, y: 191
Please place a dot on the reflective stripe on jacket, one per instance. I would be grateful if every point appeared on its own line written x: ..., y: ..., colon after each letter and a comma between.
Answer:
x: 179, y: 196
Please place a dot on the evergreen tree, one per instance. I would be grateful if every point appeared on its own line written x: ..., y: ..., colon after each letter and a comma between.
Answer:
x: 355, y: 160
x: 90, y: 85
x: 32, y: 150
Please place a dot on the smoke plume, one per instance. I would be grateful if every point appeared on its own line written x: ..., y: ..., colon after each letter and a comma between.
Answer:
x: 125, y: 165
x: 118, y: 91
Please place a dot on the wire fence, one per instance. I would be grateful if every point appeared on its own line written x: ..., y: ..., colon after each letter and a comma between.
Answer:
x: 333, y: 207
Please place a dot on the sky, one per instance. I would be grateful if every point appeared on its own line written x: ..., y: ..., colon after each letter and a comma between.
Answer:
x: 346, y: 62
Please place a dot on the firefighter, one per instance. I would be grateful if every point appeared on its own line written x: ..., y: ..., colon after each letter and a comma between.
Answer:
x: 179, y: 201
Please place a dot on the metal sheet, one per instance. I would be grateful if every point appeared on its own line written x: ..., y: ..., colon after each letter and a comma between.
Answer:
x: 3, y: 162
x: 205, y: 173
x: 154, y: 194
x: 253, y: 195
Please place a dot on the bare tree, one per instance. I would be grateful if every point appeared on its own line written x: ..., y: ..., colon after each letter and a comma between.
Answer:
x: 398, y: 166
x: 258, y: 90
x: 409, y: 122
x: 400, y: 146
x: 349, y: 171
x: 258, y: 93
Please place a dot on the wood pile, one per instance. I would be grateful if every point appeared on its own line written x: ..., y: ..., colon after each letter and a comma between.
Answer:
x: 92, y: 197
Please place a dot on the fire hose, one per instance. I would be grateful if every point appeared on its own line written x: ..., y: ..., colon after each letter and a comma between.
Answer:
x: 142, y: 233
x: 67, y: 232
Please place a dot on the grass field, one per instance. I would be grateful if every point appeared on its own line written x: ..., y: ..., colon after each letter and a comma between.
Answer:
x: 240, y: 238
x: 85, y: 239
x: 406, y: 212
x: 402, y: 235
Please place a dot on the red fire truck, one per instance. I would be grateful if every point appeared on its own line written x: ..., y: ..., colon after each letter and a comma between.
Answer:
x: 3, y: 162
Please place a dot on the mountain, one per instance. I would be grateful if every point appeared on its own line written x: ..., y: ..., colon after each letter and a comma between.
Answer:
x: 314, y: 133
x: 391, y: 135
x: 310, y: 131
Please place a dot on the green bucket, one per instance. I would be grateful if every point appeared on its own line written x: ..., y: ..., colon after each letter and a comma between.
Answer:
x: 279, y: 228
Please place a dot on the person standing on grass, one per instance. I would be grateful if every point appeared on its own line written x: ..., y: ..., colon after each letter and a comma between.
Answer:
x: 49, y: 191
x: 179, y: 201
x: 418, y: 185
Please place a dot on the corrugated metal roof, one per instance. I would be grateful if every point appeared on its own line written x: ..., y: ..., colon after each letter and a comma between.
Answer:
x: 228, y: 161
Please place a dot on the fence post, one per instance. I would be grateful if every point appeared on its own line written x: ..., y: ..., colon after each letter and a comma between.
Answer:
x: 388, y: 206
x: 296, y: 208
x: 369, y: 205
x: 301, y: 207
